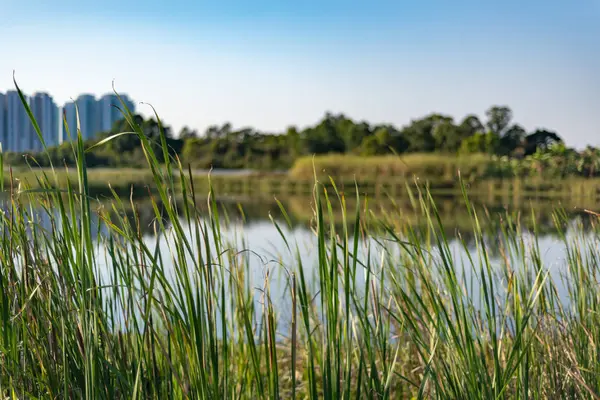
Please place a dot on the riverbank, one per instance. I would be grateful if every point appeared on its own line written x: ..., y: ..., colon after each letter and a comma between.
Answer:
x: 140, y: 182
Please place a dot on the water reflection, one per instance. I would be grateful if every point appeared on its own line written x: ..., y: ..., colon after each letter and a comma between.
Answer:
x: 546, y: 217
x: 249, y: 232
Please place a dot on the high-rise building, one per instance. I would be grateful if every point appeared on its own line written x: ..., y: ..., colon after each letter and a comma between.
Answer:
x: 17, y: 133
x: 18, y: 126
x: 71, y: 119
x: 3, y: 130
x: 45, y: 112
x: 111, y: 110
x: 89, y: 115
x: 95, y: 116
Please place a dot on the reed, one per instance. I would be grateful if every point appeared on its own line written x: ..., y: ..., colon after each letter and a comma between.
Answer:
x: 387, y: 311
x: 423, y: 165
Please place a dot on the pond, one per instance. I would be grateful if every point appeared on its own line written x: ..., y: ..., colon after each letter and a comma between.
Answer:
x: 271, y: 244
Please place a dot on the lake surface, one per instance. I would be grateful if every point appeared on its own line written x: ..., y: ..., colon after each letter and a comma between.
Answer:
x: 274, y: 252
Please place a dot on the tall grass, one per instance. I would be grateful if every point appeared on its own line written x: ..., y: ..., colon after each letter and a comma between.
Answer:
x: 390, y: 312
x: 423, y: 165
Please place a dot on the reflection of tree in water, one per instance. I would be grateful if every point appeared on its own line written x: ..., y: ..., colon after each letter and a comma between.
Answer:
x: 401, y: 214
x: 544, y: 217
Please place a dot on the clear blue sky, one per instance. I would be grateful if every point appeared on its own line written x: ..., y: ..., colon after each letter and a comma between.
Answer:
x: 270, y: 64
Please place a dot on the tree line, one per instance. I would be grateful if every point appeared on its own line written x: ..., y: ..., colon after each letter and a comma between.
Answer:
x: 225, y: 147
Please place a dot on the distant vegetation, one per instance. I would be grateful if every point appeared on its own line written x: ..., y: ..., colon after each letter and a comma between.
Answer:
x: 438, y: 166
x: 555, y: 162
x: 441, y: 145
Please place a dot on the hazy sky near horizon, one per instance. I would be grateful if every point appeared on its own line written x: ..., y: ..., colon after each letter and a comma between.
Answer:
x: 273, y: 63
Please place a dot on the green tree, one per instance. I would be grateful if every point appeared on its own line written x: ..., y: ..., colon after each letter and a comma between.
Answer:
x: 480, y: 143
x: 562, y: 159
x: 187, y: 133
x: 541, y: 139
x: 588, y: 163
x: 471, y: 125
x: 499, y: 118
x: 538, y: 161
x: 512, y: 139
x: 294, y: 141
x: 325, y: 137
x: 448, y: 137
x: 419, y: 133
x: 356, y: 134
x: 384, y: 140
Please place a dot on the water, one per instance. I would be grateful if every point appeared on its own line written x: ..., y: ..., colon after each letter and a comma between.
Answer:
x: 248, y: 230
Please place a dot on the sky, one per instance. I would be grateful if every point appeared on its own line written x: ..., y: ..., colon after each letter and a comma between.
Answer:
x: 270, y: 64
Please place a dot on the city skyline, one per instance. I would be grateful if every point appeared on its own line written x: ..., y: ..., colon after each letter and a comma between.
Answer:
x: 17, y: 134
x: 96, y: 114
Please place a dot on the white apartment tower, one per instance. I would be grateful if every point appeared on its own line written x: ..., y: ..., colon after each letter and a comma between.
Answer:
x: 89, y: 116
x: 68, y: 112
x: 111, y: 110
x: 45, y: 113
x: 3, y: 130
x: 18, y: 126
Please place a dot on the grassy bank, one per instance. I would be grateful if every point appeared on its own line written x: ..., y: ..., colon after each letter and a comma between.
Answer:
x: 439, y: 166
x: 424, y: 166
x: 102, y: 182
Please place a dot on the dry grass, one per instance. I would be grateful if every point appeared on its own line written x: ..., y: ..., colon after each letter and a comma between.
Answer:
x: 437, y: 166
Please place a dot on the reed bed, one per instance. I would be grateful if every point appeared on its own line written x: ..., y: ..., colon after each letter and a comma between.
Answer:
x: 386, y: 311
x: 423, y: 165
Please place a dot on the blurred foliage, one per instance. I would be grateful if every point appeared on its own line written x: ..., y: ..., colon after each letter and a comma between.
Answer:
x: 436, y: 139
